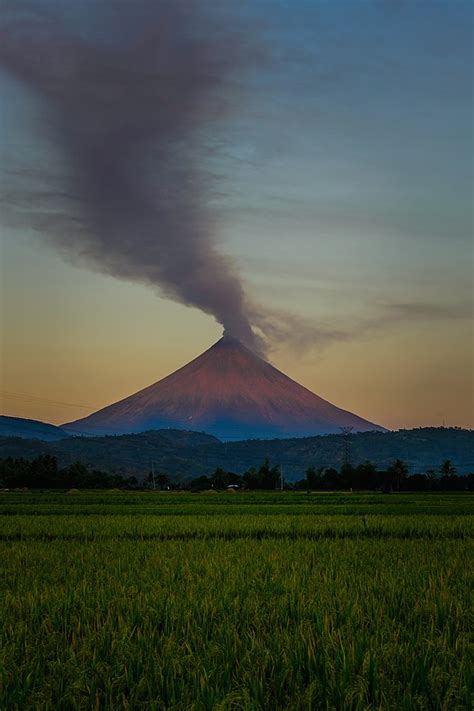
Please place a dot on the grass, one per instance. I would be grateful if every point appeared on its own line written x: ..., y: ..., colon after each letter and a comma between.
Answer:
x: 245, y: 601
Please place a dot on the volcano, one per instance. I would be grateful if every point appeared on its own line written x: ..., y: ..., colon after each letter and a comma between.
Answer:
x: 227, y: 391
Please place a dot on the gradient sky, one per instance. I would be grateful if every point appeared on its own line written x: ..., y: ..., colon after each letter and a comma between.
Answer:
x: 344, y: 195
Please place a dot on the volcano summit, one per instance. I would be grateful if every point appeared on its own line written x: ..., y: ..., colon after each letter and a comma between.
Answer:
x: 227, y: 391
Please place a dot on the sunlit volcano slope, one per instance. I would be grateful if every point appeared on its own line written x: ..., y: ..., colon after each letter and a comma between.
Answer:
x: 227, y: 391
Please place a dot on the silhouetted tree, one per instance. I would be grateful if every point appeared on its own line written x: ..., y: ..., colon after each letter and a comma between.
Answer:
x: 269, y: 476
x: 201, y: 483
x: 219, y: 479
x: 78, y: 477
x: 346, y: 475
x: 331, y: 478
x: 222, y: 479
x: 447, y: 468
x: 265, y: 478
x: 314, y: 480
x: 398, y: 472
x: 162, y: 480
x: 44, y: 471
x: 365, y: 476
x: 250, y: 478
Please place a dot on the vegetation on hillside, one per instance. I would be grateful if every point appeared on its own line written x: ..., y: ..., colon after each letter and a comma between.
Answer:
x: 184, y: 455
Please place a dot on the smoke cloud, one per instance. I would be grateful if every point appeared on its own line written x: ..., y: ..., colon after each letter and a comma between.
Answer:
x: 127, y: 108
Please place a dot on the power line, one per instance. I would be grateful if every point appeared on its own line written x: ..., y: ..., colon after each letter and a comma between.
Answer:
x: 34, y: 399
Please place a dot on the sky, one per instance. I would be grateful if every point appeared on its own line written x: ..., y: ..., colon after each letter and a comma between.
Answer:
x: 341, y: 196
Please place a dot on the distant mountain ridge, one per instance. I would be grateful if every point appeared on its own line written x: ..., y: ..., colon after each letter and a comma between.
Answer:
x: 230, y: 392
x: 182, y: 454
x: 30, y: 429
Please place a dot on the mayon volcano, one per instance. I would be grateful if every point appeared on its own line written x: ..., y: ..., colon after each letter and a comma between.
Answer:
x: 227, y: 391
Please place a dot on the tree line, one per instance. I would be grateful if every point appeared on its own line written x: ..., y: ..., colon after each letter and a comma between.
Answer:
x: 43, y: 472
x: 364, y: 477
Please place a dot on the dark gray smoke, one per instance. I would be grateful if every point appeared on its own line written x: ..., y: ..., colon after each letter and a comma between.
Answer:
x: 128, y: 108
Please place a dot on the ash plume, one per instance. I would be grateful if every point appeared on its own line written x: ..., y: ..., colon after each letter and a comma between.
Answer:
x: 127, y: 108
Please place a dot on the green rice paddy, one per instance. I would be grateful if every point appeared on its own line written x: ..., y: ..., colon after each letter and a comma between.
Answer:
x: 181, y: 601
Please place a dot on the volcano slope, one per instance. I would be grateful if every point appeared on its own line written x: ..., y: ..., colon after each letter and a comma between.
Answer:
x: 227, y: 391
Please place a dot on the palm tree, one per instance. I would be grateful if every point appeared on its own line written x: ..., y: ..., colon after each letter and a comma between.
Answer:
x: 399, y: 471
x: 447, y: 469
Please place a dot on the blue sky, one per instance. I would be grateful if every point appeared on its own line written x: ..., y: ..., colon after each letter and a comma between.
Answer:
x: 343, y: 190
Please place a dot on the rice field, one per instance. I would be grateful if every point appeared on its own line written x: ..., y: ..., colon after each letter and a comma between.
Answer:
x: 280, y: 600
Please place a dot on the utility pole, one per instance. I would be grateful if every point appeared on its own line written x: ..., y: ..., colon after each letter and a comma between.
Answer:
x: 153, y: 473
x: 281, y: 478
